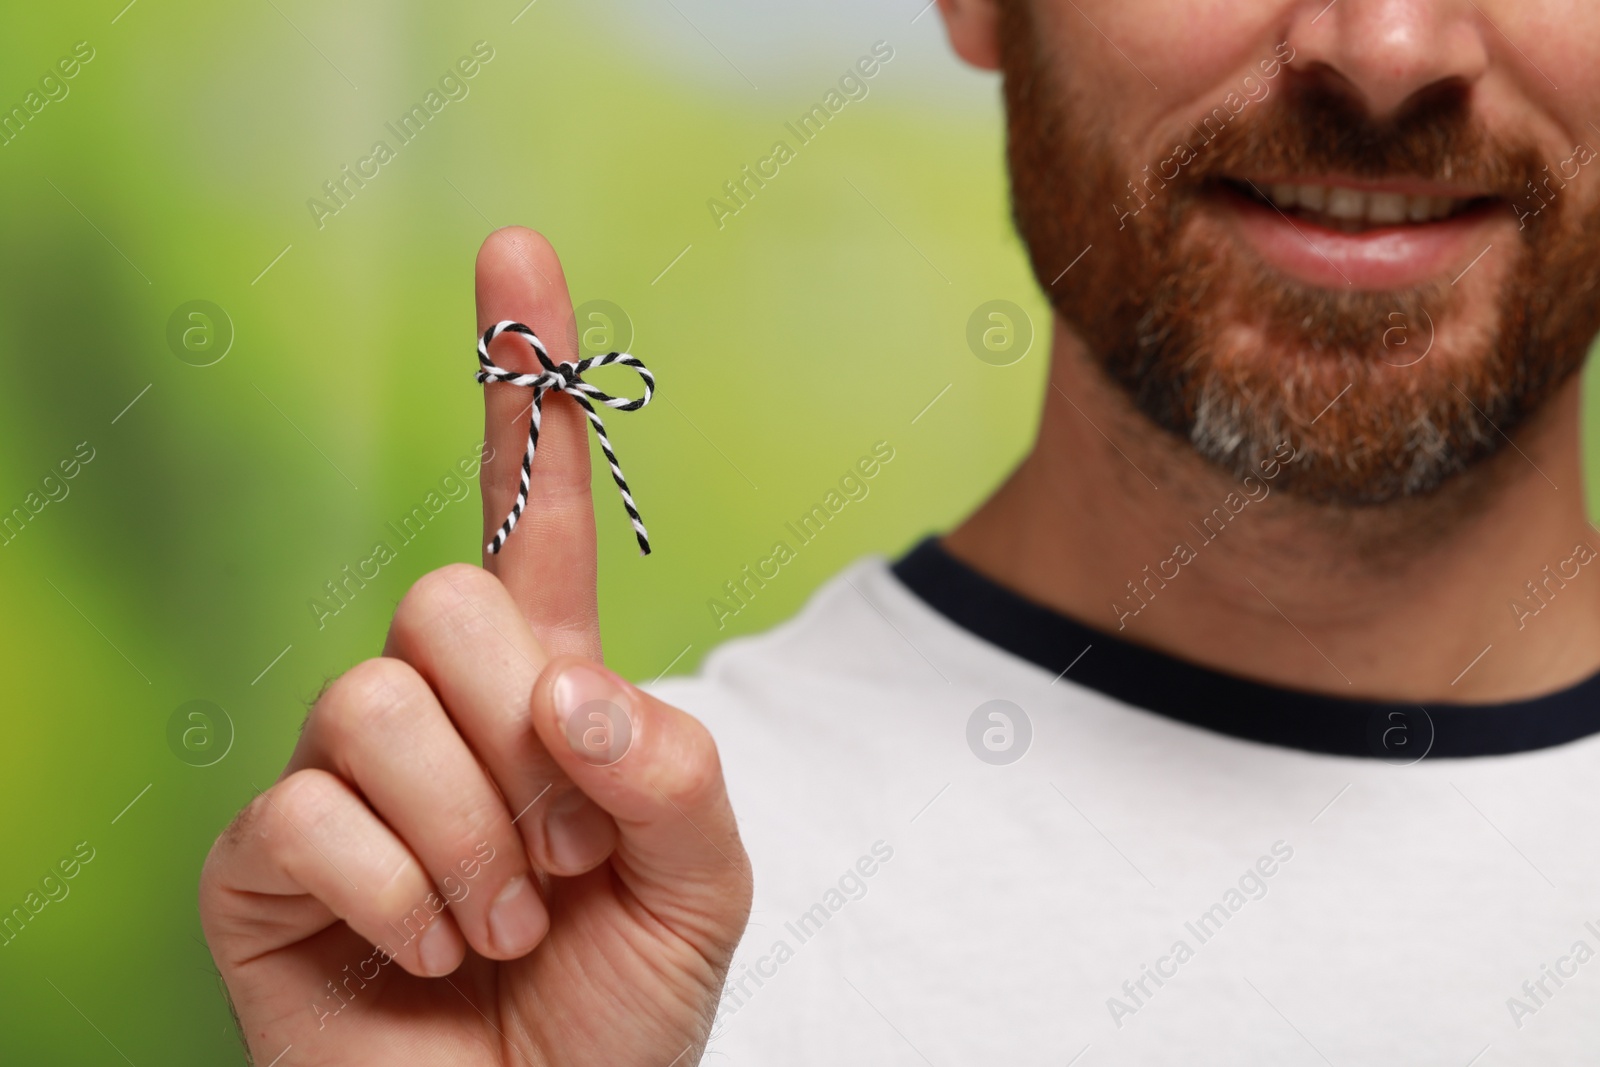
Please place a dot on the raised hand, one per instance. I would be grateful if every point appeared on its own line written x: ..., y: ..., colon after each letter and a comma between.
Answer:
x: 487, y: 848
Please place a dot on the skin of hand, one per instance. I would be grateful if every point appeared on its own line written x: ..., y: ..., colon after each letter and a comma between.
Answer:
x: 487, y: 848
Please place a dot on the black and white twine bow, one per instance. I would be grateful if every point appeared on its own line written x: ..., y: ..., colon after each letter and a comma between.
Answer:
x: 566, y: 378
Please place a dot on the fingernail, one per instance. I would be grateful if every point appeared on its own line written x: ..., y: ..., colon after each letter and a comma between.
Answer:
x: 516, y: 918
x: 437, y: 949
x: 595, y: 712
x: 577, y: 833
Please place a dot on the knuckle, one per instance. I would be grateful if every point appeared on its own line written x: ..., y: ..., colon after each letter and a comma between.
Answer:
x: 692, y: 775
x: 476, y: 825
x: 214, y: 871
x: 473, y: 827
x: 404, y: 890
x: 304, y: 800
x: 442, y: 591
x: 368, y: 695
x: 273, y: 824
x: 444, y: 598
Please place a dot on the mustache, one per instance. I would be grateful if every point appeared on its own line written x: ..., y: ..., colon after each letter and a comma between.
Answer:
x: 1310, y: 127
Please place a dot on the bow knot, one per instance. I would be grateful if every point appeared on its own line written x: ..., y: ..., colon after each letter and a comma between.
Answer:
x: 566, y: 378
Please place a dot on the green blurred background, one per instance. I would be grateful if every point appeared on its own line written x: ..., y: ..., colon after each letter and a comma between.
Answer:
x: 182, y: 562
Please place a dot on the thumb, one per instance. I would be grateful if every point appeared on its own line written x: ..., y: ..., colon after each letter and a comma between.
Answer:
x: 655, y: 770
x: 548, y: 563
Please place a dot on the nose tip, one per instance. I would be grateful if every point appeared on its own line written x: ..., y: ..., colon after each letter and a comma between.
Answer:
x: 1386, y: 52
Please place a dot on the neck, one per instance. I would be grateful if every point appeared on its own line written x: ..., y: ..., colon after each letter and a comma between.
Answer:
x: 1397, y: 602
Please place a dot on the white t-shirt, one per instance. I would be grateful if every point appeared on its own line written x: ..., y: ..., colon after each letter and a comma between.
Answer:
x: 1072, y: 878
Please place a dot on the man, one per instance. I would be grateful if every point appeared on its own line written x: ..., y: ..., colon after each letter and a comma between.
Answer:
x: 1251, y: 721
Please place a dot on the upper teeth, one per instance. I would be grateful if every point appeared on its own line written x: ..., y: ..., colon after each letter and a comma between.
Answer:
x: 1342, y: 202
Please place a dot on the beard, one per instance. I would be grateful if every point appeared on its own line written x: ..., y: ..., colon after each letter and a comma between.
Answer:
x: 1384, y: 395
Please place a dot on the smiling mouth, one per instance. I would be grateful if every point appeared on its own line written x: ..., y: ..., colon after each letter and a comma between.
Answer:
x: 1354, y: 211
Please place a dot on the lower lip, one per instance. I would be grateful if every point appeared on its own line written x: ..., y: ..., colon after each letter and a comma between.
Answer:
x: 1388, y: 257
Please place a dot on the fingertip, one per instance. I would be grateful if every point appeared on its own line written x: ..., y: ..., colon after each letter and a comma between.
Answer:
x: 518, y: 271
x: 634, y: 756
x: 509, y: 244
x: 654, y: 770
x: 585, y: 711
x: 518, y: 919
x: 440, y: 949
x: 578, y: 835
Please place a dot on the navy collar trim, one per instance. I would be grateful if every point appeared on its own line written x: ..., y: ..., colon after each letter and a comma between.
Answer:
x: 1226, y: 704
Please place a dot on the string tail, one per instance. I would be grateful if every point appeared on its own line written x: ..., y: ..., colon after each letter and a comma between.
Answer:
x: 639, y: 532
x: 510, y: 524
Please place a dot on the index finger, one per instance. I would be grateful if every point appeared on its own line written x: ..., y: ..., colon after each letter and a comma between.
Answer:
x: 548, y: 563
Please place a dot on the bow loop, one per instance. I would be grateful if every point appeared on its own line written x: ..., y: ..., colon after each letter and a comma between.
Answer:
x: 564, y: 378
